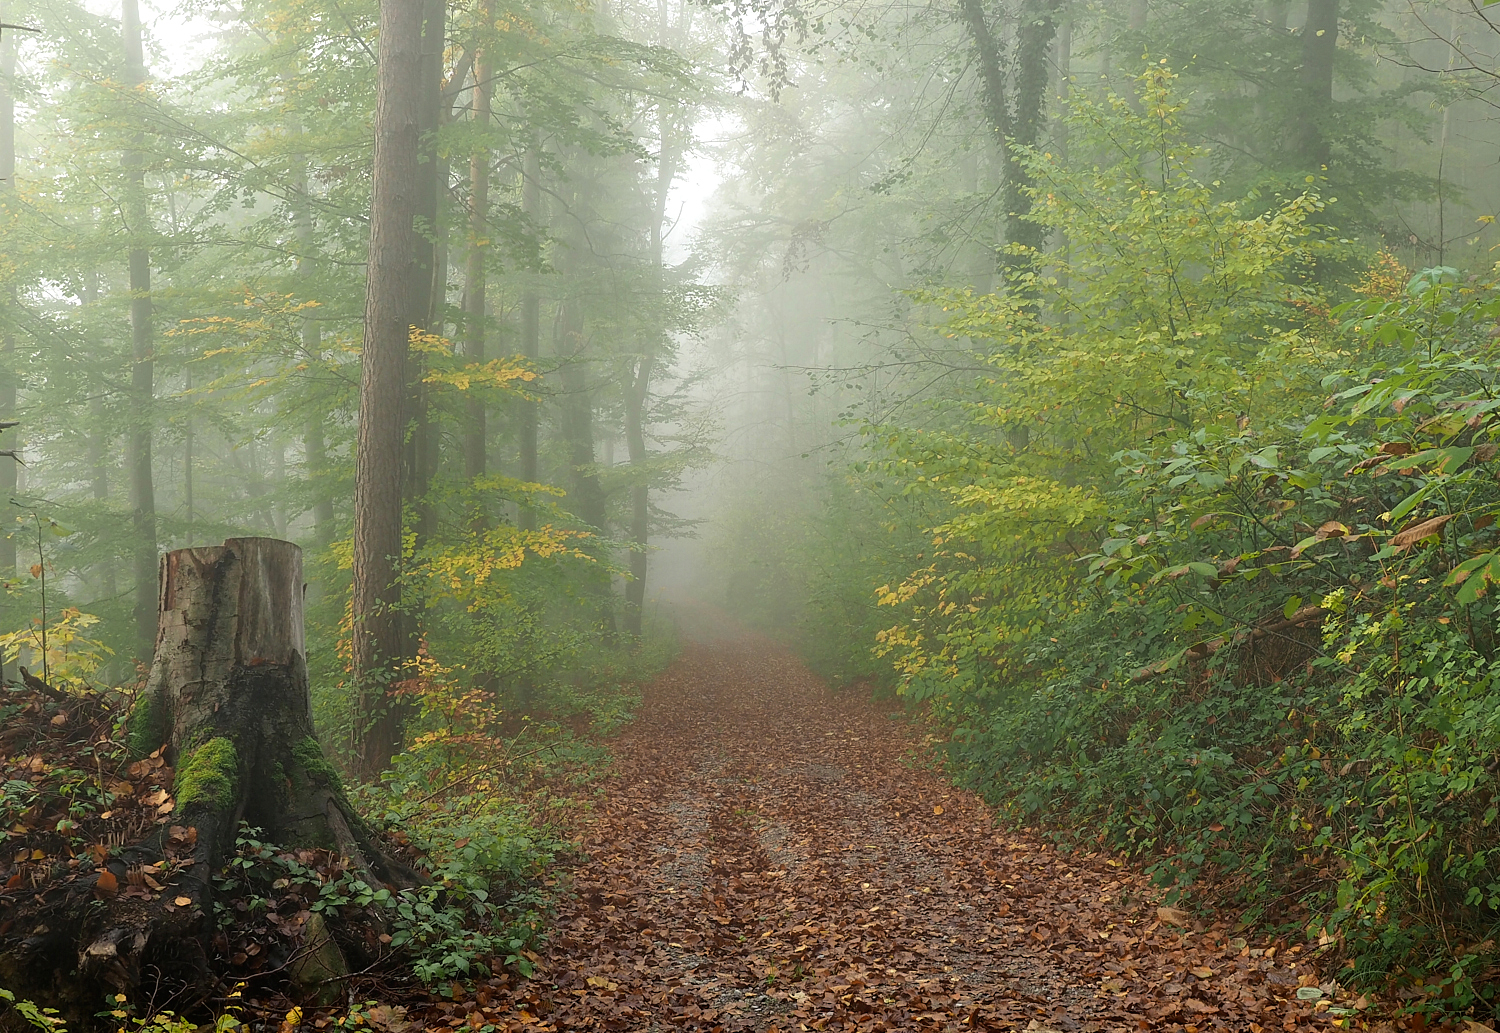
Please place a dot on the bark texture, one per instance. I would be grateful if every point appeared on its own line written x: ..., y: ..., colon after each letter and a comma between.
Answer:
x: 226, y: 705
x: 393, y: 270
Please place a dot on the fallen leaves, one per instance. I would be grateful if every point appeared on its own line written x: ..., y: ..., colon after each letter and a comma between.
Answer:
x: 763, y: 859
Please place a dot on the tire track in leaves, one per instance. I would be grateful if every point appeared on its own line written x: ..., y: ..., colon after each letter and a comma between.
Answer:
x: 767, y: 857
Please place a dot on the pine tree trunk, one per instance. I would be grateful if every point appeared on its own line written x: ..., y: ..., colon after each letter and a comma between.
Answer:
x: 393, y: 269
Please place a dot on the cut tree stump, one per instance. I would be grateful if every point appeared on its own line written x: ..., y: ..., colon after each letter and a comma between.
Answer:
x: 227, y: 705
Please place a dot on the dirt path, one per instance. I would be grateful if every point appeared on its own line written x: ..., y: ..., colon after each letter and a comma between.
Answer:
x: 768, y: 856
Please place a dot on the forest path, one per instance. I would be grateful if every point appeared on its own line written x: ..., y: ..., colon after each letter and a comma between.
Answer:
x: 767, y: 855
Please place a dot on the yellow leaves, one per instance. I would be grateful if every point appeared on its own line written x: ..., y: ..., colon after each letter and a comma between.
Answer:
x: 421, y: 341
x: 463, y: 571
x: 497, y: 373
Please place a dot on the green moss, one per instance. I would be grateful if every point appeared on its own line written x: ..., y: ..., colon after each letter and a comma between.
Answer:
x: 309, y: 754
x: 146, y: 727
x: 208, y: 774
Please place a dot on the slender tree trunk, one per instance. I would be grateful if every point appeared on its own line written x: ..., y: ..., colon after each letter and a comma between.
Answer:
x: 143, y: 357
x: 394, y: 267
x: 1320, y: 37
x: 8, y: 439
x: 1060, y: 130
x: 475, y: 280
x: 187, y: 457
x: 637, y: 394
x: 638, y: 391
x: 314, y: 443
x: 99, y: 452
x: 429, y: 297
x: 531, y: 323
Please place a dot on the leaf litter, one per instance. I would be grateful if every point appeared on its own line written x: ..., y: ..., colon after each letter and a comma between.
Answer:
x: 770, y: 855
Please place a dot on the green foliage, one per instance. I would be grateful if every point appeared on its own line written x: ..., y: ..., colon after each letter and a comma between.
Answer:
x: 480, y: 907
x: 38, y: 1018
x: 146, y: 725
x: 1199, y: 566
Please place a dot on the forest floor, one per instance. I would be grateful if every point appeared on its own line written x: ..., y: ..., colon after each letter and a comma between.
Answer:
x: 770, y: 855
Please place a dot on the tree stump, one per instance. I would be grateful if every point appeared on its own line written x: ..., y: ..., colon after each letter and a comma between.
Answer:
x: 227, y: 704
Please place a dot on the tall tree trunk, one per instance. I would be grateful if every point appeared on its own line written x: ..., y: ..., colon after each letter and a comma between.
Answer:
x: 1035, y: 30
x: 187, y: 456
x: 1016, y: 118
x: 531, y: 322
x: 430, y: 294
x: 638, y: 391
x: 475, y: 279
x: 142, y: 355
x: 991, y: 76
x: 1060, y: 130
x: 637, y: 394
x: 314, y: 443
x: 8, y: 439
x: 1320, y: 39
x: 588, y: 494
x: 393, y: 269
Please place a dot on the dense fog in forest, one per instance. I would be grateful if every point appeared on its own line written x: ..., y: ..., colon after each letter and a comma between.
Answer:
x: 1108, y: 386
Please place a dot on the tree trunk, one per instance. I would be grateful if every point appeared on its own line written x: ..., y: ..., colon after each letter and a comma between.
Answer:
x: 637, y: 393
x: 314, y: 445
x: 227, y: 706
x: 393, y: 269
x: 7, y: 334
x: 1036, y: 28
x: 1320, y: 38
x: 991, y: 76
x: 531, y: 323
x: 430, y: 294
x: 475, y: 280
x: 142, y: 354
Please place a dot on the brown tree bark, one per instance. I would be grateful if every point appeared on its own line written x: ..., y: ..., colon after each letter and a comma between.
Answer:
x: 227, y: 706
x: 393, y: 269
x: 142, y: 353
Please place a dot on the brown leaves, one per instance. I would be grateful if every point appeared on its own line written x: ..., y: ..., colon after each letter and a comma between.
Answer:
x: 1414, y: 533
x: 106, y: 885
x: 764, y: 858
